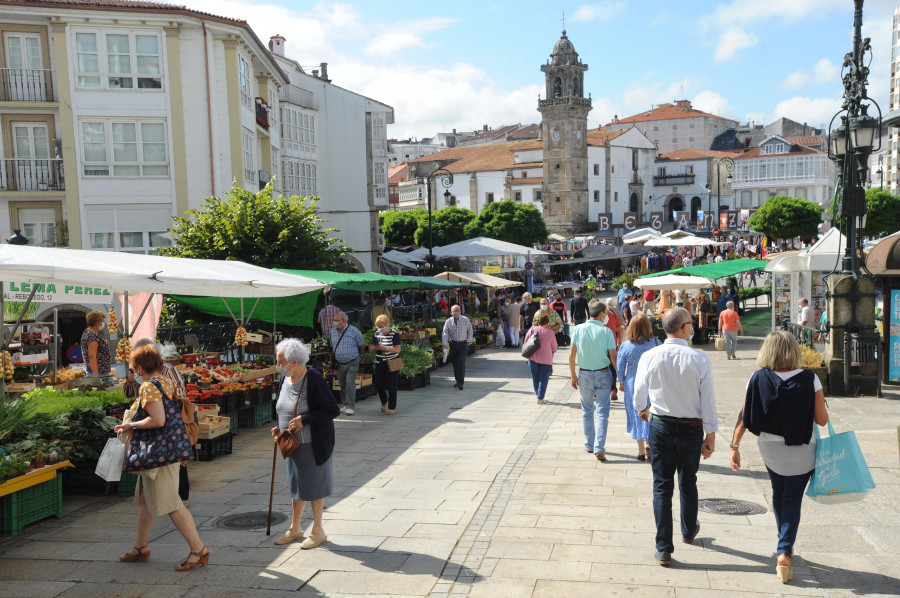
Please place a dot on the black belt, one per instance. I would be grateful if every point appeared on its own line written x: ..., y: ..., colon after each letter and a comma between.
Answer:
x: 691, y: 421
x: 600, y: 370
x: 466, y: 342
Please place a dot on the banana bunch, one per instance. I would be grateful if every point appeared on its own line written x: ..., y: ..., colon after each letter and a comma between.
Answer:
x: 240, y: 337
x: 112, y: 322
x: 123, y: 350
x: 7, y: 365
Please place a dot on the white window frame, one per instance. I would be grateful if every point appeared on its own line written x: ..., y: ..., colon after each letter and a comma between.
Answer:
x: 298, y: 130
x: 248, y: 147
x: 111, y: 164
x: 106, y: 80
x: 244, y: 80
x: 299, y: 176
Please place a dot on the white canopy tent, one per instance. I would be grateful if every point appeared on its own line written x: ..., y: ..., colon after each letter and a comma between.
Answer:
x: 485, y: 280
x: 483, y: 246
x: 640, y: 236
x: 671, y: 282
x: 688, y: 241
x: 824, y: 256
x: 677, y: 234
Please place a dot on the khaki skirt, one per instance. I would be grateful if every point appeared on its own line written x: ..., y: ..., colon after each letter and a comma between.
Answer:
x: 160, y: 493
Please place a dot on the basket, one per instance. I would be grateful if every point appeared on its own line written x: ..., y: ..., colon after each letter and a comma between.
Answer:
x: 29, y: 505
x: 213, y: 427
x: 207, y: 450
x: 720, y: 343
x: 254, y: 417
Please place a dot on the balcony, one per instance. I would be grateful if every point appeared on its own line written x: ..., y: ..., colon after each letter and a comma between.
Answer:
x: 292, y: 94
x: 32, y: 175
x: 26, y: 85
x: 566, y: 101
x: 262, y: 114
x: 663, y: 180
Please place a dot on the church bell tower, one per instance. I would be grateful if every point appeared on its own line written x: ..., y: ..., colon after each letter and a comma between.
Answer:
x: 564, y: 132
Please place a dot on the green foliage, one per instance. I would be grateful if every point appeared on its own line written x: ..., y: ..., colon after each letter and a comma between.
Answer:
x: 509, y: 221
x: 55, y: 402
x: 272, y: 232
x: 751, y: 292
x: 449, y: 225
x: 629, y: 278
x: 399, y: 228
x: 884, y: 212
x: 785, y: 217
x: 415, y: 360
x: 13, y: 414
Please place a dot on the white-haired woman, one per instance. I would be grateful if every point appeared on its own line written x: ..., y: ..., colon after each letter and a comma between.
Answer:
x: 307, y: 408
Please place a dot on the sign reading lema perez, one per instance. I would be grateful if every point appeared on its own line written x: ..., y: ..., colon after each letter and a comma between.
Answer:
x: 56, y: 293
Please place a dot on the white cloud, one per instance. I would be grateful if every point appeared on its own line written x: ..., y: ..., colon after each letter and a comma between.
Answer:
x: 598, y: 10
x: 824, y: 71
x: 643, y: 96
x: 712, y: 102
x: 732, y: 41
x: 817, y: 112
x: 758, y: 11
x: 403, y: 36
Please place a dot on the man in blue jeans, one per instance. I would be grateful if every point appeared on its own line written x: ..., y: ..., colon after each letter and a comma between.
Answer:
x: 593, y: 350
x: 673, y: 390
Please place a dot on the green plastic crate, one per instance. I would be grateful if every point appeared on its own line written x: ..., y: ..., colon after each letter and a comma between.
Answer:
x: 254, y: 417
x: 29, y: 505
x: 127, y: 483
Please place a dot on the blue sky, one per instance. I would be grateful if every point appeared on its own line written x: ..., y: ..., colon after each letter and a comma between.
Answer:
x: 468, y: 63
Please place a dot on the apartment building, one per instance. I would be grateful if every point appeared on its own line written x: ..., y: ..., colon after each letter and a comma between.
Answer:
x: 676, y: 126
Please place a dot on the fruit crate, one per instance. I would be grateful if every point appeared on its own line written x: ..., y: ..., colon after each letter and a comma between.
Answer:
x: 254, y: 417
x: 213, y: 427
x: 127, y: 483
x: 207, y: 450
x: 29, y: 505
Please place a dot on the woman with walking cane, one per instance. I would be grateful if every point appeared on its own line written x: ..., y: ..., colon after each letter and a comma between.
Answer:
x: 306, y: 410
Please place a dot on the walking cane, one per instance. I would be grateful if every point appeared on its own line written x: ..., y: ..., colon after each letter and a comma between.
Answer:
x: 272, y: 489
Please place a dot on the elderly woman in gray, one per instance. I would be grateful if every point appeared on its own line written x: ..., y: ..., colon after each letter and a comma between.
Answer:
x: 307, y: 408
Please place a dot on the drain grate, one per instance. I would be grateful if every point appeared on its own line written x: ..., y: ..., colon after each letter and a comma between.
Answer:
x: 730, y: 506
x: 254, y: 520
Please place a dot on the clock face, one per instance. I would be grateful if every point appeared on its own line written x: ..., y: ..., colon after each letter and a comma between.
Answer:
x: 555, y: 134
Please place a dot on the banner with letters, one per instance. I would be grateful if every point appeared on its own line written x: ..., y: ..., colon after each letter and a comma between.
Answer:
x: 604, y: 220
x: 894, y: 347
x: 631, y: 220
x: 656, y: 220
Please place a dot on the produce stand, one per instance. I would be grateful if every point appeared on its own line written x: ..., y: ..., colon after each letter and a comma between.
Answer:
x: 31, y: 497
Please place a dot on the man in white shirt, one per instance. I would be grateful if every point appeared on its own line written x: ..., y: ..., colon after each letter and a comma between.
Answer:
x: 804, y: 318
x: 673, y: 390
x: 688, y: 262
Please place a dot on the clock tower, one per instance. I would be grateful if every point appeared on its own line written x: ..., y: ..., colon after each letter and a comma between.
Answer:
x: 564, y: 132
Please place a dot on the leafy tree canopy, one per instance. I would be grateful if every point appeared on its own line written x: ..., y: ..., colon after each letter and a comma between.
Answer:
x: 399, y: 227
x: 884, y: 212
x: 272, y: 232
x: 509, y: 221
x: 785, y: 217
x: 448, y: 226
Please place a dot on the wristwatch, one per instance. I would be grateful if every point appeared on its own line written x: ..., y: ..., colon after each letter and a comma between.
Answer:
x: 734, y: 446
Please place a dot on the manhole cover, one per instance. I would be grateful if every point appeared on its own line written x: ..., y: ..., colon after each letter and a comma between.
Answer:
x: 255, y: 520
x: 730, y: 506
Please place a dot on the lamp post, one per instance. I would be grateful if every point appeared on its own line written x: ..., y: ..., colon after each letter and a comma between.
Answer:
x: 446, y: 178
x: 729, y: 166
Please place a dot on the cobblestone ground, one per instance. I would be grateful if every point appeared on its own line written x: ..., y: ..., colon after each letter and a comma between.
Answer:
x: 484, y: 493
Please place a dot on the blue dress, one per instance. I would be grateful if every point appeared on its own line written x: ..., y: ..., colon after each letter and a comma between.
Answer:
x: 626, y: 368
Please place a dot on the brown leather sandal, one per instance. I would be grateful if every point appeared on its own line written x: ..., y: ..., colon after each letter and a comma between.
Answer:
x: 136, y: 554
x: 202, y: 559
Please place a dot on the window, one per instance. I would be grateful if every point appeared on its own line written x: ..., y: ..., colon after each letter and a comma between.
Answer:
x: 616, y: 197
x: 244, y: 80
x: 779, y: 148
x: 799, y: 192
x: 690, y: 140
x: 489, y: 198
x: 688, y: 169
x: 38, y: 225
x: 674, y: 127
x: 247, y: 142
x: 596, y: 170
x: 298, y: 130
x: 299, y: 177
x: 120, y: 60
x: 379, y: 173
x: 124, y: 148
x: 538, y: 195
x: 379, y: 135
x: 634, y: 159
x: 746, y: 199
x: 596, y: 196
x: 139, y: 230
x: 691, y: 126
x: 524, y: 174
x: 517, y: 196
x: 655, y: 127
x: 661, y: 171
x: 557, y: 166
x: 612, y: 168
x: 273, y: 108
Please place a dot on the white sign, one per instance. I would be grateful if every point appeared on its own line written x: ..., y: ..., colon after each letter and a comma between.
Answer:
x: 56, y: 293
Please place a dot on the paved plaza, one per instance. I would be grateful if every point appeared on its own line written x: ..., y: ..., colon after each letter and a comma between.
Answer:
x: 485, y: 493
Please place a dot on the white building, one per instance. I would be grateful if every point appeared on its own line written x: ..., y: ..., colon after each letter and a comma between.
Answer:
x: 404, y: 151
x: 891, y: 162
x: 676, y: 126
x: 779, y: 167
x: 334, y: 146
x: 694, y: 180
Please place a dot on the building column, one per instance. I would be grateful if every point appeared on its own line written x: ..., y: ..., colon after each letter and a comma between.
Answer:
x: 265, y: 152
x: 233, y: 98
x: 176, y: 122
x: 67, y: 132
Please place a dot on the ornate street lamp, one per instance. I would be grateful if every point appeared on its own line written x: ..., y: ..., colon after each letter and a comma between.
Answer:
x: 448, y: 199
x: 729, y: 167
x: 446, y: 179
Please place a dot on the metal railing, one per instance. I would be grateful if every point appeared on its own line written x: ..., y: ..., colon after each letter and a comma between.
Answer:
x: 26, y: 85
x: 805, y: 335
x: 673, y: 179
x: 32, y: 174
x: 571, y: 100
x: 292, y: 94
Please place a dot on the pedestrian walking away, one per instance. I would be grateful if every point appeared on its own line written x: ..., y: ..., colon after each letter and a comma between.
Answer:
x: 638, y: 340
x: 306, y: 408
x: 540, y: 363
x: 347, y: 343
x: 515, y: 321
x: 673, y: 391
x: 456, y: 336
x: 729, y: 326
x: 579, y: 309
x: 781, y: 404
x: 386, y: 348
x: 591, y: 358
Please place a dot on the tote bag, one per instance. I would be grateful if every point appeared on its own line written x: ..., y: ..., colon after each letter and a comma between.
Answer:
x: 155, y: 447
x: 109, y: 465
x: 531, y: 345
x: 841, y: 473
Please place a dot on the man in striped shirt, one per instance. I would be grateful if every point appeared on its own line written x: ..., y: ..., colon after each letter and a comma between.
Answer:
x: 326, y: 315
x: 457, y: 335
x: 346, y: 344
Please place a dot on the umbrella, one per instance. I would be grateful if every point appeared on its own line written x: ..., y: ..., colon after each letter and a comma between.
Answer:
x: 689, y: 241
x: 671, y: 282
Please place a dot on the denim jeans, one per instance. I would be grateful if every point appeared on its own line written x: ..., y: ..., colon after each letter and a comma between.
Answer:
x: 787, y: 496
x: 594, y: 389
x: 346, y: 377
x: 676, y: 447
x: 540, y: 376
x: 457, y: 356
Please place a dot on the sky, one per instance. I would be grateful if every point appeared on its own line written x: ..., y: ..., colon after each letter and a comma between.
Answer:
x: 465, y: 64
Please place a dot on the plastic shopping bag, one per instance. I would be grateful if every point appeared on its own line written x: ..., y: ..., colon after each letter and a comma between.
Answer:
x: 499, y: 337
x: 841, y: 473
x: 111, y: 461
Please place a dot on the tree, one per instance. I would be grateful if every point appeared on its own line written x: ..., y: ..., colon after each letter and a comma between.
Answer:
x: 509, y: 221
x: 259, y: 229
x: 785, y: 217
x: 399, y: 228
x: 448, y: 226
x: 884, y: 212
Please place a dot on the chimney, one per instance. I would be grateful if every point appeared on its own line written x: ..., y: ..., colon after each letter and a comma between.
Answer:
x: 485, y: 128
x: 454, y: 131
x: 315, y: 73
x: 276, y: 45
x: 324, y: 68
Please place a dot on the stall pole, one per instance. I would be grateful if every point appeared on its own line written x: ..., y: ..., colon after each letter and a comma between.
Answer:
x: 126, y: 307
x: 3, y: 341
x: 241, y: 348
x: 55, y: 343
x: 21, y: 315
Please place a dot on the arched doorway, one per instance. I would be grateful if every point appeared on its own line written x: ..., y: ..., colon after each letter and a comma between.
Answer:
x: 675, y: 205
x: 633, y: 203
x: 696, y: 205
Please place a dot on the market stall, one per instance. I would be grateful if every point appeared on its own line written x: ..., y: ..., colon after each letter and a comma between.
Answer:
x: 675, y: 282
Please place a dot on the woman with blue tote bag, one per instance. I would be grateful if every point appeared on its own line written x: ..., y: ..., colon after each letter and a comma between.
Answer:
x: 782, y: 405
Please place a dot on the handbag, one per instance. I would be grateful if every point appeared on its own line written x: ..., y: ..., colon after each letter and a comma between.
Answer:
x: 288, y: 443
x: 156, y: 447
x: 109, y: 465
x: 394, y: 365
x: 720, y: 343
x: 841, y: 473
x: 531, y: 346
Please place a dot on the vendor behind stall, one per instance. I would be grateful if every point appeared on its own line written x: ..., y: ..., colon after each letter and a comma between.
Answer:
x: 94, y: 347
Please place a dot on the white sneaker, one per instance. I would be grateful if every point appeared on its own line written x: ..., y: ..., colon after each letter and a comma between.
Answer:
x: 343, y: 409
x: 349, y: 411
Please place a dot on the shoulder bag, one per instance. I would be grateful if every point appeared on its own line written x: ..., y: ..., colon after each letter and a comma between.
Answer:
x: 288, y: 443
x: 337, y: 344
x: 532, y: 344
x: 156, y: 447
x: 395, y: 364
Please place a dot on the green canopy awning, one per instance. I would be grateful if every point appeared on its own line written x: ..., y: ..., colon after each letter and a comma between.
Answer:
x: 717, y: 271
x: 296, y: 310
x: 357, y: 281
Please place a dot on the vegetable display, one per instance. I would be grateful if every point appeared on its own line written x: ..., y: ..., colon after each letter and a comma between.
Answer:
x: 240, y: 337
x: 415, y: 360
x: 7, y: 366
x: 123, y: 350
x: 112, y: 322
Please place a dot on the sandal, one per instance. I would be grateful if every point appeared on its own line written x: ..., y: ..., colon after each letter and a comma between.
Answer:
x: 202, y: 559
x: 390, y: 412
x: 383, y: 407
x: 132, y: 556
